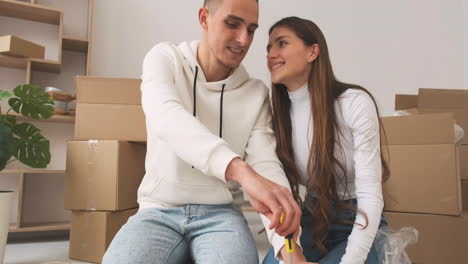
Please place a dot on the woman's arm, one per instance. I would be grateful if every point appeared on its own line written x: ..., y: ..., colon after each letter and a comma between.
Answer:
x: 360, y: 116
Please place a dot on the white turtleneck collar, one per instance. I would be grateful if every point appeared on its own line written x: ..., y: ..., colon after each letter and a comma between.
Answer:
x: 300, y: 95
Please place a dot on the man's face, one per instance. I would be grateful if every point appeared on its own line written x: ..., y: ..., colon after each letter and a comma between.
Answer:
x: 230, y: 30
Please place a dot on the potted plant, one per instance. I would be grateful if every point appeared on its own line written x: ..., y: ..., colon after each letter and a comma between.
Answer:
x: 21, y: 141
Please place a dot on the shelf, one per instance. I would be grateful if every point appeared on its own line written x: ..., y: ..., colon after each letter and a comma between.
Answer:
x: 13, y: 62
x: 74, y: 44
x: 55, y: 226
x: 52, y: 119
x: 31, y: 171
x: 73, y: 52
x: 31, y: 12
x: 45, y: 65
x: 36, y: 64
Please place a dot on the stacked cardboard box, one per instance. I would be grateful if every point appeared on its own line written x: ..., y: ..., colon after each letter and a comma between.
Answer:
x: 105, y: 163
x: 438, y: 101
x: 442, y: 239
x: 423, y: 160
x: 427, y: 187
x: 109, y: 109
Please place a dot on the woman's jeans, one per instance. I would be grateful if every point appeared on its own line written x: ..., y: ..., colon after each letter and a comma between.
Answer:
x: 187, y: 234
x: 335, y: 243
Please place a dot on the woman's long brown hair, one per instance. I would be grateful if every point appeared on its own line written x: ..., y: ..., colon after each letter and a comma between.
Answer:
x: 323, y: 167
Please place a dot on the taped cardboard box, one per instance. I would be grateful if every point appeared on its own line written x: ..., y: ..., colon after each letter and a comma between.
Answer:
x: 442, y: 98
x: 99, y: 90
x: 110, y: 122
x: 461, y: 117
x: 446, y: 100
x: 92, y: 232
x: 11, y: 45
x: 406, y: 101
x: 464, y: 190
x: 442, y: 239
x: 424, y: 172
x: 463, y: 156
x: 109, y: 109
x: 423, y: 129
x: 103, y: 175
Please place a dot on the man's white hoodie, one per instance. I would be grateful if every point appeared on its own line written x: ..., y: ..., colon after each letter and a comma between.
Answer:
x: 195, y: 128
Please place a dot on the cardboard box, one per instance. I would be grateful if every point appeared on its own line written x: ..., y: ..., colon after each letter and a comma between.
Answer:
x: 461, y: 117
x: 421, y: 129
x: 103, y: 175
x: 109, y: 109
x: 11, y: 45
x: 446, y: 100
x: 406, y: 101
x: 424, y: 171
x: 464, y: 190
x: 463, y: 156
x: 99, y: 90
x: 442, y: 239
x: 92, y: 232
x: 423, y: 179
x: 442, y: 98
x: 110, y: 122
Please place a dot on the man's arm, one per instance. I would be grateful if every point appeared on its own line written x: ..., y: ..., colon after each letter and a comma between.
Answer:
x: 261, y: 155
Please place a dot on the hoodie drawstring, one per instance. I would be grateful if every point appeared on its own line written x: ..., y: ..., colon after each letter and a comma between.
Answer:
x: 195, y: 92
x: 220, y: 104
x: 221, y: 113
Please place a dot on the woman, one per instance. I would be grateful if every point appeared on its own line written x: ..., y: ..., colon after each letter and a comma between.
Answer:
x: 328, y: 139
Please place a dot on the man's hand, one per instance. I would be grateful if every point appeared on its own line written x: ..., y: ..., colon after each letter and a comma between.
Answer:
x: 267, y: 197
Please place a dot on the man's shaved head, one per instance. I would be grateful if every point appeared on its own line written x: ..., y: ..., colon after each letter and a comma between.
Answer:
x: 213, y: 4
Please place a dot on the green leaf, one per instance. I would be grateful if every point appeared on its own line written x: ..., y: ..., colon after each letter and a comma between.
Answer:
x: 8, y: 120
x: 6, y: 145
x: 32, y: 101
x: 31, y: 148
x: 4, y: 94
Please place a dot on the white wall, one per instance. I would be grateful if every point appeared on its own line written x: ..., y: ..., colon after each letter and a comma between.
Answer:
x: 388, y: 47
x: 465, y: 45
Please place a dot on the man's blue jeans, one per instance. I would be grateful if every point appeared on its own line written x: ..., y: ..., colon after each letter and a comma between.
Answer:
x: 335, y: 243
x: 187, y: 234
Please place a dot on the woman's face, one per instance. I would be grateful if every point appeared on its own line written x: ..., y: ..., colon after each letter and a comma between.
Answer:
x: 289, y: 59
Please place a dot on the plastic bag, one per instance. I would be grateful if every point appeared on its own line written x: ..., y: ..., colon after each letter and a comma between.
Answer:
x: 392, y: 244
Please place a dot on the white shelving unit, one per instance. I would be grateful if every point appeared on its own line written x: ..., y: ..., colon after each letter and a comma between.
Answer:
x: 64, y: 28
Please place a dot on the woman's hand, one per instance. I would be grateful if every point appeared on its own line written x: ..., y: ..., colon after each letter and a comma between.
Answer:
x: 298, y: 256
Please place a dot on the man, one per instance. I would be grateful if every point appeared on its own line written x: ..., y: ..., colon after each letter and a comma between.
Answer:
x: 204, y: 117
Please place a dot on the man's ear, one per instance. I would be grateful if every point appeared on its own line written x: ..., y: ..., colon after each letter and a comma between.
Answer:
x: 203, y: 17
x: 313, y: 52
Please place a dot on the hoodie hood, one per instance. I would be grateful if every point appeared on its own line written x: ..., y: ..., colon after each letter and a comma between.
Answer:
x: 189, y: 54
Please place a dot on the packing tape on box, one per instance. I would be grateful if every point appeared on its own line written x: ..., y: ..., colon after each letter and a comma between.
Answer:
x: 391, y: 244
x: 87, y: 228
x: 92, y: 172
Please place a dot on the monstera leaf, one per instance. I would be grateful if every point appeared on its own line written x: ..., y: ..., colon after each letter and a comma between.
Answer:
x: 32, y: 101
x: 31, y: 148
x: 4, y: 94
x: 8, y: 120
x: 7, y: 145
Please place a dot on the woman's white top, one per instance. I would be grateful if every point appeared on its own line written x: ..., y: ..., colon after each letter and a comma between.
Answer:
x: 358, y: 149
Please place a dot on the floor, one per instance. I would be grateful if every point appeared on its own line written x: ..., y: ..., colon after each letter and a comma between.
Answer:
x: 54, y: 250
